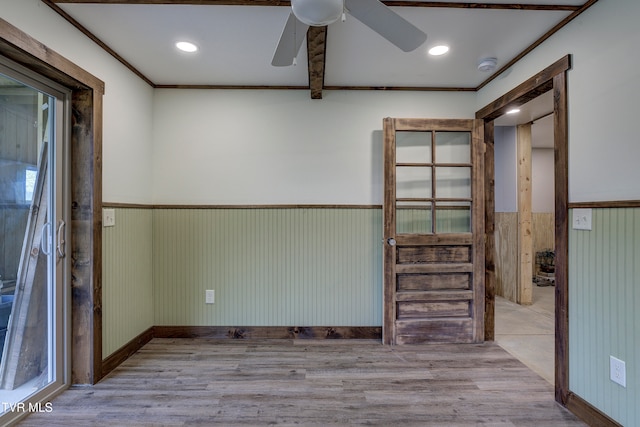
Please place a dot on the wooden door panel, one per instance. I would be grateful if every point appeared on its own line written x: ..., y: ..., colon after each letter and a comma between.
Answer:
x: 422, y: 309
x: 448, y: 295
x: 434, y: 268
x: 434, y: 331
x: 433, y: 272
x: 434, y: 240
x: 433, y: 282
x: 433, y: 254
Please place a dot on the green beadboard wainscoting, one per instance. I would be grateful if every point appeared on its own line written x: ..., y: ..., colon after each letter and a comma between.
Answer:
x: 268, y: 266
x: 604, y: 311
x: 271, y: 266
x: 127, y: 286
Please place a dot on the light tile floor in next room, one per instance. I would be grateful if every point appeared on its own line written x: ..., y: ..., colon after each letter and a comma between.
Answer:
x: 527, y: 332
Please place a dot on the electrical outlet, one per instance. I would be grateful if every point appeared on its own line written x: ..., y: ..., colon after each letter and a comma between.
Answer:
x: 582, y: 219
x: 210, y: 296
x: 108, y: 217
x: 618, y: 371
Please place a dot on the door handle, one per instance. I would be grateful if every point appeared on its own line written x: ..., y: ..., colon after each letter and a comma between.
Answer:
x: 60, y: 239
x: 45, y: 242
x: 391, y: 241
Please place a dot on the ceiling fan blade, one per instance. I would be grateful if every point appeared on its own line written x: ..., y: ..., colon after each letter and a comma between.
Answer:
x: 387, y: 23
x: 290, y: 41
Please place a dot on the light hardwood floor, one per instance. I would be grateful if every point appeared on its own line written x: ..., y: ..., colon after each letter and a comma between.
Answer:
x: 175, y: 382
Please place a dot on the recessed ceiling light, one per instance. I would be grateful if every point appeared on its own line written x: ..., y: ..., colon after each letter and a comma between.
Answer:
x: 513, y: 111
x: 187, y: 47
x: 438, y: 50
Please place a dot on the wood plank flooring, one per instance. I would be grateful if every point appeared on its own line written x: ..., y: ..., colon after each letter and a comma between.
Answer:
x: 178, y: 382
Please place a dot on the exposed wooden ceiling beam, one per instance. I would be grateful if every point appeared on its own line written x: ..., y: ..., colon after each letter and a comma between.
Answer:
x: 317, y: 53
x: 396, y: 3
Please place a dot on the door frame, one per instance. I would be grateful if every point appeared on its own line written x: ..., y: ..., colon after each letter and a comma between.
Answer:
x: 85, y: 174
x: 552, y: 78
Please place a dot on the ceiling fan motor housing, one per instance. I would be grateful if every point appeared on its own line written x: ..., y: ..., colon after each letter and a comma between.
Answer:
x: 317, y: 13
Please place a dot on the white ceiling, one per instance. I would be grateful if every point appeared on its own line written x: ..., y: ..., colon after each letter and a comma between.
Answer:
x: 237, y: 43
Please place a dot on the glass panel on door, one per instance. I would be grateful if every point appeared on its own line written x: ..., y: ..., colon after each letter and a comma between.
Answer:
x: 413, y: 147
x: 453, y: 182
x: 413, y: 182
x: 433, y: 182
x: 453, y: 147
x: 453, y: 217
x: 413, y: 217
x: 31, y: 247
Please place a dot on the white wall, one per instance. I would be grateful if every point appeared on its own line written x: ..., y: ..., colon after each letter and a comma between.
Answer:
x: 280, y: 147
x: 603, y: 93
x: 506, y: 169
x: 128, y: 106
x: 506, y: 173
x: 542, y: 180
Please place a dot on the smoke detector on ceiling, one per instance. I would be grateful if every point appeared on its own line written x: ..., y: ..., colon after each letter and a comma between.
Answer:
x: 487, y: 64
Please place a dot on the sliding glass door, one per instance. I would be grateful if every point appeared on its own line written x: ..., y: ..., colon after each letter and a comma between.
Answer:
x: 34, y: 285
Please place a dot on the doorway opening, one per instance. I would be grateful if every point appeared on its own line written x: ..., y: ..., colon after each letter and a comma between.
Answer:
x: 554, y: 79
x: 524, y: 234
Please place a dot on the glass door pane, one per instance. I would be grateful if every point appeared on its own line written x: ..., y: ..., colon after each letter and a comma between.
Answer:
x: 413, y: 182
x: 453, y: 147
x: 453, y: 217
x: 453, y: 182
x: 32, y: 245
x: 413, y: 217
x: 413, y: 147
x: 433, y: 188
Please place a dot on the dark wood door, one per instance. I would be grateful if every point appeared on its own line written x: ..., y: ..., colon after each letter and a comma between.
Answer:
x: 434, y: 231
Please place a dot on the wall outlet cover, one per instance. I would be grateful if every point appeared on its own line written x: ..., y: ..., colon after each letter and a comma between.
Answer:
x: 210, y: 296
x: 618, y: 371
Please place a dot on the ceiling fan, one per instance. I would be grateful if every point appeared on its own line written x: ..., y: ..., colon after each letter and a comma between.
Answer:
x: 318, y: 13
